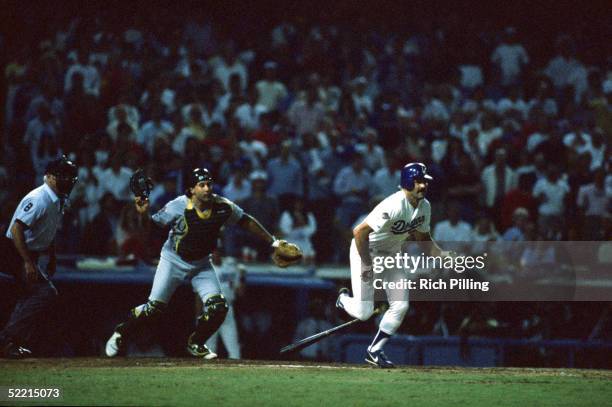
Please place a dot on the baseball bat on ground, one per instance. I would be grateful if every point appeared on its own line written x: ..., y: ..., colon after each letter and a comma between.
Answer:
x: 306, y: 342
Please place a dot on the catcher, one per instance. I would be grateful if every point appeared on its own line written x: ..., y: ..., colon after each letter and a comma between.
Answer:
x: 195, y: 221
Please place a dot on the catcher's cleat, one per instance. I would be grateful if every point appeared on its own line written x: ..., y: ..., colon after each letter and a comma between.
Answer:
x: 200, y: 351
x: 115, y: 345
x: 379, y: 359
x: 14, y: 351
x: 341, y: 292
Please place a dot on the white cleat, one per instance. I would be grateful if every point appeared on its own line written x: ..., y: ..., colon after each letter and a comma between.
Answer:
x: 114, y: 345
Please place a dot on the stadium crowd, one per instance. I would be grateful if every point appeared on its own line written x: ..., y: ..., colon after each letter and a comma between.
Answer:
x: 308, y: 126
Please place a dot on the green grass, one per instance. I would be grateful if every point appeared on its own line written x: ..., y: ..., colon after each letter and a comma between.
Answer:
x: 194, y: 383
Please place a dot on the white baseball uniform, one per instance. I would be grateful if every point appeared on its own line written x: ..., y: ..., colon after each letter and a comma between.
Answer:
x: 392, y: 221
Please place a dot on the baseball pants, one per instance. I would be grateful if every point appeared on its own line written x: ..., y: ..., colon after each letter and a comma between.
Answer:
x: 361, y: 304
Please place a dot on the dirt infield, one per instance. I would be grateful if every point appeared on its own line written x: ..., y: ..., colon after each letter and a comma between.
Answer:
x: 61, y: 363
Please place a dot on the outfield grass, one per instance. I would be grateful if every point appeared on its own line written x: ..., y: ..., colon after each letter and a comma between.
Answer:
x: 192, y: 383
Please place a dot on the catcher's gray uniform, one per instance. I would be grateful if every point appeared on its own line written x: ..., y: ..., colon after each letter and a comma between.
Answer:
x: 185, y: 254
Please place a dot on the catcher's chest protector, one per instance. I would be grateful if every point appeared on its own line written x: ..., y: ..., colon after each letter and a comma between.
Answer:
x: 195, y: 233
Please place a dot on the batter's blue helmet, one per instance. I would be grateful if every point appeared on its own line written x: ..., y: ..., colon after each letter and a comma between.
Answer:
x: 413, y: 172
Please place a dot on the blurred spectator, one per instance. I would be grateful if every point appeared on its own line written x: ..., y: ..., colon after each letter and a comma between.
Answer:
x: 361, y: 100
x: 297, y: 226
x: 489, y: 132
x: 520, y: 197
x: 497, y: 179
x: 122, y: 114
x: 227, y: 64
x: 154, y: 129
x: 372, y: 152
x: 307, y: 115
x: 564, y: 70
x: 249, y: 111
x: 550, y: 192
x: 510, y: 57
x: 317, y: 321
x: 453, y: 229
x: 262, y: 207
x: 164, y: 191
x: 352, y: 186
x: 386, y: 179
x: 238, y: 187
x: 42, y: 138
x: 91, y: 76
x: 232, y: 95
x: 99, y: 235
x: 465, y: 187
x: 87, y: 193
x: 270, y: 90
x: 116, y: 179
x: 285, y: 176
x: 131, y: 234
x: 517, y: 232
x: 484, y: 231
x: 594, y: 202
x: 231, y: 277
x: 194, y: 127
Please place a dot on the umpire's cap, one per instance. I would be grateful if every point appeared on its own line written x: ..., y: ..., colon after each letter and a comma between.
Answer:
x: 65, y: 172
x: 413, y: 172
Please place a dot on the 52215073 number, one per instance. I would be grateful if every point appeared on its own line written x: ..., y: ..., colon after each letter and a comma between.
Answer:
x: 8, y: 393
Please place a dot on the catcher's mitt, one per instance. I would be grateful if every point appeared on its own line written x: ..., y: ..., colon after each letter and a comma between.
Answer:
x: 285, y: 253
x: 140, y: 184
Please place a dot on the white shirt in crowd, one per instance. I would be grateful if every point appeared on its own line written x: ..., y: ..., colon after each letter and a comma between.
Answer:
x: 152, y: 131
x: 471, y: 76
x: 91, y: 78
x: 299, y: 235
x: 373, y: 158
x: 385, y: 182
x: 554, y: 195
x: 593, y: 200
x: 271, y: 93
x: 348, y: 181
x: 222, y: 72
x: 237, y: 193
x: 117, y: 184
x: 248, y: 115
x: 510, y: 58
x: 445, y: 231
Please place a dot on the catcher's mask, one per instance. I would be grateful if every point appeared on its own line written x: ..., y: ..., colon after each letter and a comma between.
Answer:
x: 140, y: 184
x: 196, y: 176
x: 65, y: 173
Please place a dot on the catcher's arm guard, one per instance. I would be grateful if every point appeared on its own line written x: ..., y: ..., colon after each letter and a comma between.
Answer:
x: 285, y: 253
x: 141, y: 185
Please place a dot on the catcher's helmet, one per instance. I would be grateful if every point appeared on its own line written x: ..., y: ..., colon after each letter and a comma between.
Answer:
x: 413, y: 172
x: 65, y: 172
x: 196, y: 176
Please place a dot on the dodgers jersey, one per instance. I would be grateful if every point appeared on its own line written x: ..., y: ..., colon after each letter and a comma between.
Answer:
x: 194, y: 233
x: 41, y: 211
x: 393, y: 219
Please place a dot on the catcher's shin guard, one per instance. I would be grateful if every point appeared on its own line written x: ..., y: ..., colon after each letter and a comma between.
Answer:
x: 140, y: 317
x: 215, y: 310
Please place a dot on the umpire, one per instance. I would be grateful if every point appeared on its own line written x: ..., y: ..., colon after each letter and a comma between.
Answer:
x: 30, y: 236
